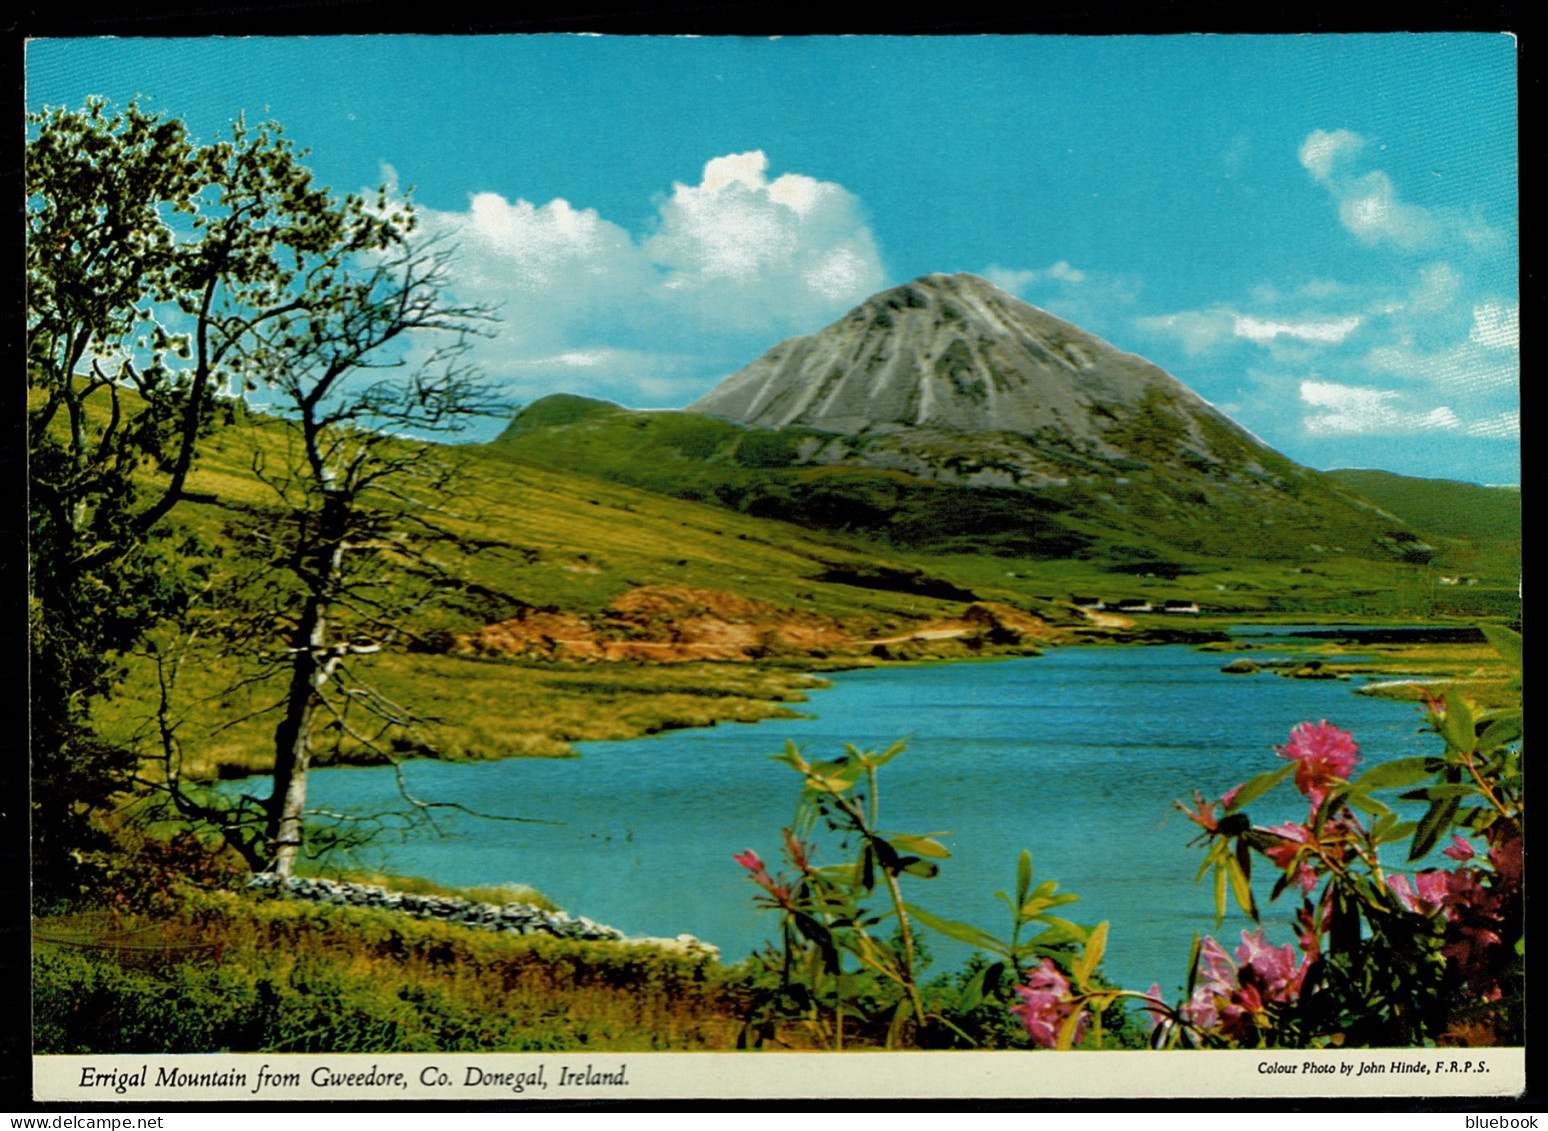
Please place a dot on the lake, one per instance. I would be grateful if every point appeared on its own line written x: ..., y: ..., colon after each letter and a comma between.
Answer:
x: 1077, y: 756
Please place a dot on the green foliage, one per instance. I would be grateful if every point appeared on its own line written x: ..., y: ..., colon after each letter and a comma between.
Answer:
x: 225, y: 973
x: 1388, y: 959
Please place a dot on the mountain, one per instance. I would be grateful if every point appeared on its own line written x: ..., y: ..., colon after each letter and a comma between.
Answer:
x: 945, y: 415
x: 954, y: 352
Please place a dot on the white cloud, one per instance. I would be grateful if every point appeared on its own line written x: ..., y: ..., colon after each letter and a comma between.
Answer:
x: 1323, y: 149
x: 1370, y: 208
x: 736, y: 257
x: 1197, y: 330
x: 1464, y: 368
x: 1438, y: 288
x: 1018, y: 281
x: 737, y: 247
x: 1201, y: 330
x: 1324, y: 332
x: 1349, y: 410
x: 1497, y: 326
x: 1015, y: 282
x: 1504, y: 426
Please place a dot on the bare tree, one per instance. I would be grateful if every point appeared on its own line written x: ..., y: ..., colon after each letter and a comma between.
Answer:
x: 350, y: 549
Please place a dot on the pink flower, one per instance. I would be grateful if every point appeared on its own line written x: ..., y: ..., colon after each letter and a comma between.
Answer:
x: 1229, y: 796
x: 1429, y: 893
x: 800, y: 854
x: 1323, y: 755
x: 1202, y: 813
x: 1275, y: 967
x: 1459, y: 849
x: 779, y: 893
x: 1155, y: 1008
x: 1288, y: 854
x: 1045, y: 1005
x: 750, y: 861
x: 1234, y: 1000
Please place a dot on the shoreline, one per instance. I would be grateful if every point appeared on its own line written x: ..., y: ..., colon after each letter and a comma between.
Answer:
x: 790, y: 677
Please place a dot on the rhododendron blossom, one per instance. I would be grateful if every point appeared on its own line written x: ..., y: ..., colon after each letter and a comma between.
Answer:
x: 1459, y: 849
x: 1233, y: 997
x: 1045, y: 1005
x: 1284, y: 855
x: 779, y: 894
x: 1427, y: 894
x: 1323, y: 754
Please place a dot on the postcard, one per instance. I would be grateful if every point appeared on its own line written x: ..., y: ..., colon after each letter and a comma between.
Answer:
x: 1087, y: 468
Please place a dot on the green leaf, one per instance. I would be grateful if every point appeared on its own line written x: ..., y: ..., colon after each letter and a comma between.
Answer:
x: 1220, y: 893
x: 1367, y: 804
x: 973, y: 992
x: 924, y: 869
x: 1086, y: 965
x: 1399, y: 771
x: 1255, y: 788
x: 1193, y: 967
x: 1059, y: 931
x: 1440, y: 792
x: 1505, y: 641
x: 1241, y: 887
x: 1501, y: 732
x: 1067, y: 1031
x: 1023, y: 876
x: 1434, y: 823
x: 962, y: 932
x: 1035, y: 906
x: 888, y: 754
x: 899, y: 1018
x: 1457, y: 726
x: 920, y: 845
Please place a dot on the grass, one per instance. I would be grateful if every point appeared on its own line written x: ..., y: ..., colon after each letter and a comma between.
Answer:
x: 1169, y: 512
x: 227, y: 972
x: 474, y: 708
x: 1403, y: 671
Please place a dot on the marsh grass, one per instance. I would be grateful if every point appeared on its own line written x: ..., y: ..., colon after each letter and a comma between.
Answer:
x: 473, y: 709
x: 226, y: 972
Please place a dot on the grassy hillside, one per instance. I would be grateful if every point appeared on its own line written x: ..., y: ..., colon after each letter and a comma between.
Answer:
x: 947, y: 493
x: 1476, y: 529
x: 1445, y: 507
x: 533, y: 538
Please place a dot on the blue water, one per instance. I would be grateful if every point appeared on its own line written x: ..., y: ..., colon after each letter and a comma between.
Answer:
x: 1076, y: 755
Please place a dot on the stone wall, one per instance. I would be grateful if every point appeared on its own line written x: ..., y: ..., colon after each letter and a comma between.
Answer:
x: 513, y: 918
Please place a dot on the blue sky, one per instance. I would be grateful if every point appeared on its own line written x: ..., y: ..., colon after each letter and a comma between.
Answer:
x: 1319, y: 234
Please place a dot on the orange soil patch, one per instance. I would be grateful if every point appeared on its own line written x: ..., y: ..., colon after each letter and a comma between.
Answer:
x: 674, y: 624
x: 664, y: 624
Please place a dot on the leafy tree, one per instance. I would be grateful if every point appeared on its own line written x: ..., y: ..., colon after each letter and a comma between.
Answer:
x: 153, y: 264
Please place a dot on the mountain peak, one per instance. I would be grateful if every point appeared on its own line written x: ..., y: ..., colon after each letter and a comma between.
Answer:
x: 946, y: 351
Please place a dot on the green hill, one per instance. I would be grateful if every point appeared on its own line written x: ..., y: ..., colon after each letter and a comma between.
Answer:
x: 1445, y: 507
x: 1135, y: 515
